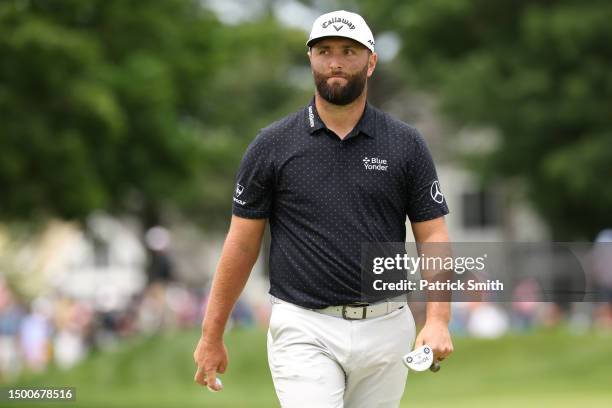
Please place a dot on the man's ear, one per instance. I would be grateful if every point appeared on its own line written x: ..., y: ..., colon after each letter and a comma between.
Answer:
x: 372, y: 60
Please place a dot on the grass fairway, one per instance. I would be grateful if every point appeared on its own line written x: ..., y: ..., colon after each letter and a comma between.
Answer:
x: 546, y: 369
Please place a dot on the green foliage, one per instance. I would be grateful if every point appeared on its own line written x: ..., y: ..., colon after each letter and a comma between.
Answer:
x: 129, y: 105
x: 538, y: 71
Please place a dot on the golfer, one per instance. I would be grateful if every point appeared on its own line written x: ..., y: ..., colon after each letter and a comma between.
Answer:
x: 333, y: 175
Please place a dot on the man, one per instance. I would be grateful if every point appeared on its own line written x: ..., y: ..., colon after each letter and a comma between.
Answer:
x: 330, y: 177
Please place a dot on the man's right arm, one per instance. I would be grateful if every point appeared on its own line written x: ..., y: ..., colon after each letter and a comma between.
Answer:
x: 240, y: 251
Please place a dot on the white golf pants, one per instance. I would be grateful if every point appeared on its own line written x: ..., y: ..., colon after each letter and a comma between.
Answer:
x: 321, y: 361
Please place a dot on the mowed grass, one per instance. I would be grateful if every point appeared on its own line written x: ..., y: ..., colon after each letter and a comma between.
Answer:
x: 543, y: 369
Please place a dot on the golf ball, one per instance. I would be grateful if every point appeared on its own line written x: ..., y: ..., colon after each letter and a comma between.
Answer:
x: 218, y: 383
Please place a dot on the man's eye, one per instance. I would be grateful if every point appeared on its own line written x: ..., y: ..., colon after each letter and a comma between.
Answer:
x: 349, y: 51
x: 323, y: 52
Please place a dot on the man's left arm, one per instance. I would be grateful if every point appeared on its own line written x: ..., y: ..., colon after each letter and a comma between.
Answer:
x: 435, y: 332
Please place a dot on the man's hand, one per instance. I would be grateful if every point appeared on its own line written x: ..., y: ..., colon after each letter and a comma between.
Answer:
x: 210, y: 358
x: 436, y: 335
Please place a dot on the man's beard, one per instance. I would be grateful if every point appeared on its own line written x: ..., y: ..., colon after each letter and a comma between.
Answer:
x: 341, y: 94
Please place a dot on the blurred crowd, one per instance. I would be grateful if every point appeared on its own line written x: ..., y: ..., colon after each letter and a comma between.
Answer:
x: 492, y: 320
x: 54, y: 329
x: 57, y: 330
x: 62, y: 331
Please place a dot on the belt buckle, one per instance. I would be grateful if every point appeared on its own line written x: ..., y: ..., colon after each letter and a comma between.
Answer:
x: 364, y: 307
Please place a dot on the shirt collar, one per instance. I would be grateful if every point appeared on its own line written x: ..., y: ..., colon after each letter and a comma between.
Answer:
x: 365, y: 125
x: 312, y: 119
x: 367, y: 122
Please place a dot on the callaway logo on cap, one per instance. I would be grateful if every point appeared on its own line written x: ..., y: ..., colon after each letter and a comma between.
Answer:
x: 342, y: 23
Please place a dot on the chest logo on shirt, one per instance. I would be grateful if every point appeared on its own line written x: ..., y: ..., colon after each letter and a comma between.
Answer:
x: 375, y: 164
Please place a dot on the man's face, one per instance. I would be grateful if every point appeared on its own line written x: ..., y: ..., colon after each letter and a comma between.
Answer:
x: 341, y: 67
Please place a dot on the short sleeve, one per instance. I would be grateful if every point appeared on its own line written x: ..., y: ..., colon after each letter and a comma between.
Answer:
x: 425, y: 198
x: 254, y: 188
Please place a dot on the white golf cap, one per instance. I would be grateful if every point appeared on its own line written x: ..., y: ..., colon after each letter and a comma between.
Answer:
x: 342, y: 23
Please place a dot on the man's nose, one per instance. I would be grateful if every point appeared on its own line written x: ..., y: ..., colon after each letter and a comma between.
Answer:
x: 335, y: 63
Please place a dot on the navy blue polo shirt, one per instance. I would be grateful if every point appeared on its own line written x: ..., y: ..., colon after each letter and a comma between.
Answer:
x: 325, y: 196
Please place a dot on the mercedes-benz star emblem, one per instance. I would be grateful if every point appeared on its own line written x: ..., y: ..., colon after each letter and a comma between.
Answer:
x: 435, y: 192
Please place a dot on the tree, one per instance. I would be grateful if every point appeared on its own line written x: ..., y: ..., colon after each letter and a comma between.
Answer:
x: 131, y: 106
x: 537, y: 71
